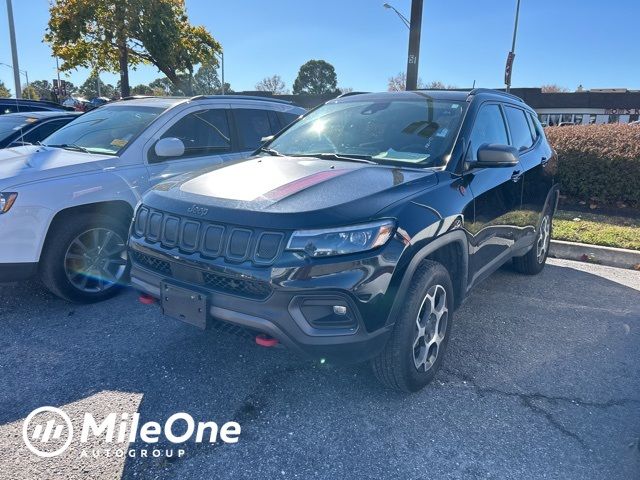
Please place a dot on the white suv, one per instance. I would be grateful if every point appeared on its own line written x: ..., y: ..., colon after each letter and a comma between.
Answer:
x: 66, y: 204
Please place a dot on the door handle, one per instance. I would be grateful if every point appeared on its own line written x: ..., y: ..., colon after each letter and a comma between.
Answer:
x: 515, y: 176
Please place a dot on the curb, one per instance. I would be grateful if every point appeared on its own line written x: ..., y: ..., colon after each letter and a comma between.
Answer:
x: 613, y: 257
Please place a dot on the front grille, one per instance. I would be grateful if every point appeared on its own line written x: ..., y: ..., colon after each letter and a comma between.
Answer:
x: 237, y: 286
x: 152, y: 263
x: 210, y: 240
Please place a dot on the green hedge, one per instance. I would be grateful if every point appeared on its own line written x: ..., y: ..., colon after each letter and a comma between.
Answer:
x: 598, y: 162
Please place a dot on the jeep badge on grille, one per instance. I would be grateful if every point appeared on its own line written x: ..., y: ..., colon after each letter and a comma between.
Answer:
x: 196, y: 210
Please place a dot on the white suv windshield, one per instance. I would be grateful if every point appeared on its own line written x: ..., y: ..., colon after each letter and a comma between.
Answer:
x: 419, y: 132
x: 106, y: 130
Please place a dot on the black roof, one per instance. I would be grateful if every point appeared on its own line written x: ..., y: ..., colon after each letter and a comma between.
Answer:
x: 43, y: 114
x: 26, y: 101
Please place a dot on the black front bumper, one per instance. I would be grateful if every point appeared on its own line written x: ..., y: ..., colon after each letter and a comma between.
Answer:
x: 279, y: 314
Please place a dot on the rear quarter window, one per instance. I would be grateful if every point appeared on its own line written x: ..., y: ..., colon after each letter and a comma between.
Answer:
x: 521, y: 137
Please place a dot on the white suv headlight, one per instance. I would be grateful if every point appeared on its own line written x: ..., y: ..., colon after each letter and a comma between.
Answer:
x: 342, y: 240
x: 6, y: 201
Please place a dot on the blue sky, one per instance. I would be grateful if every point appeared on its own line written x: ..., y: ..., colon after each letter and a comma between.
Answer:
x: 567, y: 42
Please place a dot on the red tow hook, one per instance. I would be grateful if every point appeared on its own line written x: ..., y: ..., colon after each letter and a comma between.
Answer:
x: 265, y: 340
x: 146, y: 299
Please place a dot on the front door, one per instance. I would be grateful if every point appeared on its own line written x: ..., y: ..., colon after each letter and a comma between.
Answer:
x: 208, y: 141
x: 497, y: 195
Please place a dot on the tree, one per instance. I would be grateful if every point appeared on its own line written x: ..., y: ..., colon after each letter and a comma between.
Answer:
x: 206, y: 80
x: 113, y: 35
x: 344, y: 90
x: 553, y: 88
x: 143, y: 90
x: 398, y: 83
x: 273, y: 84
x: 43, y: 89
x: 89, y: 88
x: 29, y: 92
x: 316, y: 77
x: 4, y: 91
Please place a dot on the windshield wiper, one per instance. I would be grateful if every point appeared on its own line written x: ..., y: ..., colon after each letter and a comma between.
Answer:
x: 270, y: 151
x: 337, y: 156
x: 70, y: 146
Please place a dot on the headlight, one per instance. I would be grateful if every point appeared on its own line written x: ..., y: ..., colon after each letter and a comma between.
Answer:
x: 6, y: 201
x: 342, y: 240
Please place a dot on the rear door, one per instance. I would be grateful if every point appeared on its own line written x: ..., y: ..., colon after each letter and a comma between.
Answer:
x: 252, y: 124
x: 534, y: 156
x: 497, y: 195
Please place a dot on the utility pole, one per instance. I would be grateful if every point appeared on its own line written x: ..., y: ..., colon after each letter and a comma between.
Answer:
x: 14, y: 50
x: 512, y: 54
x: 415, y: 26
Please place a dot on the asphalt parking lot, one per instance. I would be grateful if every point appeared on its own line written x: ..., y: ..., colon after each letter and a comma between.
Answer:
x: 540, y: 381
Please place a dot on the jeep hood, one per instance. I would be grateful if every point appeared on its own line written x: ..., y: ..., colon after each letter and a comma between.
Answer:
x: 31, y: 163
x: 289, y: 192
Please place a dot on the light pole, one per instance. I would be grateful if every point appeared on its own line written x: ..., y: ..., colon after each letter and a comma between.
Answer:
x: 512, y: 54
x: 415, y: 26
x: 221, y: 55
x: 14, y: 50
x: 402, y: 17
x: 24, y: 72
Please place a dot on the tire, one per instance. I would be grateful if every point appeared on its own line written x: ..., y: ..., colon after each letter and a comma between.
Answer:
x: 535, y: 259
x: 409, y: 361
x: 104, y: 269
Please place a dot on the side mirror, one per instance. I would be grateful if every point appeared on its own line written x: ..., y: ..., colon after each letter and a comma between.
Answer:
x: 169, y: 147
x: 267, y: 139
x: 494, y: 155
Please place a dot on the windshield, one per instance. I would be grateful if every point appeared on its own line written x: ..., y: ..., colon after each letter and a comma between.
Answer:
x: 11, y: 124
x: 106, y: 130
x: 413, y: 131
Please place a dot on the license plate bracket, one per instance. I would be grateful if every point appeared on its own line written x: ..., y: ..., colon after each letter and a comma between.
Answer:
x: 184, y: 304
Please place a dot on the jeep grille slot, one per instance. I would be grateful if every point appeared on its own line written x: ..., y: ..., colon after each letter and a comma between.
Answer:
x: 152, y: 263
x: 211, y: 240
x: 237, y: 286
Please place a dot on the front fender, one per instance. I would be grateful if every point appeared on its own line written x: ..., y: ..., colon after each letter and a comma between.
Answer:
x: 416, y: 254
x: 39, y: 202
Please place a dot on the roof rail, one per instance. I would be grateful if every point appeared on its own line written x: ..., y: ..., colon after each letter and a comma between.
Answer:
x: 476, y: 91
x: 348, y: 94
x: 240, y: 97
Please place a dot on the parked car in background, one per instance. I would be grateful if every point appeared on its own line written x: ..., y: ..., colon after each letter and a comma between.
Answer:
x: 66, y: 206
x: 355, y: 233
x: 97, y: 102
x: 13, y: 105
x: 79, y: 104
x: 30, y: 128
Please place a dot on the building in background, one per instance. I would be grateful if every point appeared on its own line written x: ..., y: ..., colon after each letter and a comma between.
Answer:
x: 583, y: 108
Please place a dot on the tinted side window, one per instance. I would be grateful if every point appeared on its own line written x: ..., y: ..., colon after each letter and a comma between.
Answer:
x: 43, y: 131
x: 252, y: 126
x: 536, y: 128
x: 519, y: 128
x: 287, y: 118
x: 203, y: 133
x: 7, y: 108
x: 488, y: 128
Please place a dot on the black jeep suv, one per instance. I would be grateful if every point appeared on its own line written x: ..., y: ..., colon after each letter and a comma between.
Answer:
x: 356, y: 232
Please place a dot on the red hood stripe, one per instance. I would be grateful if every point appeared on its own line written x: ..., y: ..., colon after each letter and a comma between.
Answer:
x: 290, y: 188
